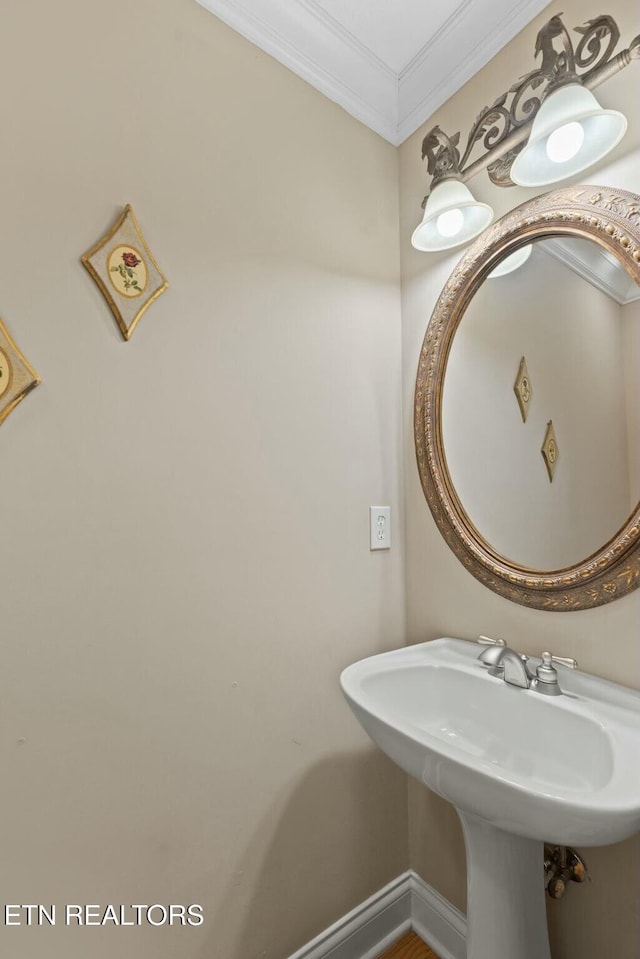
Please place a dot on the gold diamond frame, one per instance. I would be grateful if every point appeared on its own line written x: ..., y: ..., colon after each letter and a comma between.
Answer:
x: 549, y: 450
x: 127, y: 307
x: 522, y: 389
x: 17, y: 376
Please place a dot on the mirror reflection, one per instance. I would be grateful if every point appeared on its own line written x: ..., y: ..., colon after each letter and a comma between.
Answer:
x: 572, y: 311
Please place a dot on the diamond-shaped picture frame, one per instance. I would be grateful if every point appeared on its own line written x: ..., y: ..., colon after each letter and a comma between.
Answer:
x: 522, y: 389
x: 125, y: 271
x: 549, y: 450
x: 17, y: 376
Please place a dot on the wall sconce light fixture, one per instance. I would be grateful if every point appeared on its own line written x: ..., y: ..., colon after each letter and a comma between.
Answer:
x: 547, y: 127
x: 451, y: 217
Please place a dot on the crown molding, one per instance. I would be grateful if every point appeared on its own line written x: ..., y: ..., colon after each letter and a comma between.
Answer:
x: 472, y: 36
x: 315, y: 46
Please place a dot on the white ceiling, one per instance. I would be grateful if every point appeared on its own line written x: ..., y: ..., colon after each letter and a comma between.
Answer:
x: 389, y: 63
x: 393, y: 30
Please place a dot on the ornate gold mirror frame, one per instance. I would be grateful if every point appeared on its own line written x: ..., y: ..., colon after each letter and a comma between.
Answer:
x: 612, y: 219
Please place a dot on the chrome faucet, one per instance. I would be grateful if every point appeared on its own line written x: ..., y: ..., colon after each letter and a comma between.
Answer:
x: 504, y: 661
x: 516, y: 671
x: 499, y: 656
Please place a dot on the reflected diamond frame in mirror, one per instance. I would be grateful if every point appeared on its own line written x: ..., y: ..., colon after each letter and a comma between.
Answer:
x: 549, y: 450
x: 522, y: 389
x: 612, y: 219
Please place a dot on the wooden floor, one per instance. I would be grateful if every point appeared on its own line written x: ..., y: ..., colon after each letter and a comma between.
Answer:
x: 410, y: 946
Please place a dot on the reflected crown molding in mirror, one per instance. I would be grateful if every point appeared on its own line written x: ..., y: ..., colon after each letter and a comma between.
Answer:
x: 612, y: 219
x: 596, y: 266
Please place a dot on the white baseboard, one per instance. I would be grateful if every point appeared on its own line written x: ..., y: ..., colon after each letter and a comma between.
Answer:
x: 407, y: 903
x: 441, y: 925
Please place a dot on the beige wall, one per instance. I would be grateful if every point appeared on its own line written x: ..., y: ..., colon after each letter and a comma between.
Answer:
x: 185, y: 567
x: 602, y: 918
x: 185, y: 563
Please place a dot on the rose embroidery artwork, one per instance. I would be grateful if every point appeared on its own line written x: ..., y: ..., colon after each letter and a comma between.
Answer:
x: 127, y: 271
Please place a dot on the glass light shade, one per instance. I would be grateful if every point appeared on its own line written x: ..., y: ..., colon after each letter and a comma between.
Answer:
x: 511, y: 262
x: 565, y: 142
x: 571, y: 132
x: 451, y: 217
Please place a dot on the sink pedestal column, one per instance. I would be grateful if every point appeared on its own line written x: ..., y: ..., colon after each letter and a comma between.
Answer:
x: 506, y: 914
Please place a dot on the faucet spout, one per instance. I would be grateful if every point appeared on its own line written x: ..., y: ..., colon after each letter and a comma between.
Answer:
x: 515, y: 668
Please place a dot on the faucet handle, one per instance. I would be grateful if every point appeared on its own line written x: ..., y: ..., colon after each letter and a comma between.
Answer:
x: 547, y: 676
x: 490, y: 657
x: 547, y: 659
x: 488, y: 641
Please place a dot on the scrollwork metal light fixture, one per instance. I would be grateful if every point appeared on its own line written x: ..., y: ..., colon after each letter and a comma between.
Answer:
x: 547, y: 127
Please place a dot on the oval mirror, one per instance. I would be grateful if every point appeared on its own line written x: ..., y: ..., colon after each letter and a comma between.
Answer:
x: 527, y: 414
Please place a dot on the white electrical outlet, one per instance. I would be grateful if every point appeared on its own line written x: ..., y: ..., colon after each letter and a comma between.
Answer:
x: 380, y: 527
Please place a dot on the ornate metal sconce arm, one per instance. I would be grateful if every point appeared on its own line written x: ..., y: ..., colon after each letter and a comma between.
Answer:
x: 504, y: 127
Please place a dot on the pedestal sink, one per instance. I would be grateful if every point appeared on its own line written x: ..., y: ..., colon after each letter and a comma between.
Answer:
x: 520, y: 768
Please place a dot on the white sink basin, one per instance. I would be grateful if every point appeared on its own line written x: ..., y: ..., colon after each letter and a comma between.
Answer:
x: 564, y: 769
x: 521, y: 768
